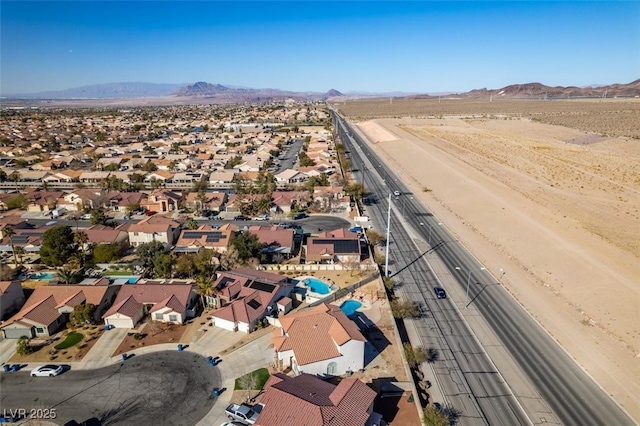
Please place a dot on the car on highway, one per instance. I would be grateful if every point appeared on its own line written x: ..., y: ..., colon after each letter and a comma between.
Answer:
x: 48, y: 370
x: 440, y: 293
x: 241, y: 217
x: 396, y: 193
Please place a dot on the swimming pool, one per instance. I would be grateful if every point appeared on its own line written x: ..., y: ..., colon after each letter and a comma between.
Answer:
x: 130, y: 280
x: 316, y: 285
x: 48, y: 276
x: 349, y: 307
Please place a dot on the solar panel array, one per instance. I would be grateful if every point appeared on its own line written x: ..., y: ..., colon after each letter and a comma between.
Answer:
x: 224, y: 281
x: 254, y: 304
x: 20, y: 239
x: 257, y: 285
x: 212, y: 236
x: 340, y: 246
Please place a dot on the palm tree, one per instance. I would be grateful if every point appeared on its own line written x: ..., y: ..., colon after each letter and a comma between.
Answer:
x: 8, y: 232
x: 205, y: 287
x: 66, y: 275
x: 81, y: 238
x: 19, y: 252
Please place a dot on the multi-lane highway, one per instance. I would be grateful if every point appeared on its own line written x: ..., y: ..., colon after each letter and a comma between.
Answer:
x: 533, y: 380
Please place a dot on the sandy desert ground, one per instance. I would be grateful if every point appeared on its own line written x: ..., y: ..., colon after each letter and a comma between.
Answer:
x: 556, y: 207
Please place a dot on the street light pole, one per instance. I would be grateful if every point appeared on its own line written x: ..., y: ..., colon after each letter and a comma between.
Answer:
x: 469, y: 283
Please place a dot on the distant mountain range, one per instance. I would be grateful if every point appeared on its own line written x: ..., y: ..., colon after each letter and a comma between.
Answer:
x: 541, y: 91
x: 217, y: 93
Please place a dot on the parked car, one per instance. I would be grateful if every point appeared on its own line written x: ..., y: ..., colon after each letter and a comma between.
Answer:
x: 86, y: 216
x: 150, y: 213
x: 300, y: 215
x: 241, y: 217
x: 48, y: 370
x: 262, y: 217
x: 440, y: 293
x: 242, y: 413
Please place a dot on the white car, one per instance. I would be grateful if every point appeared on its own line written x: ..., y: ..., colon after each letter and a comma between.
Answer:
x: 263, y: 217
x: 48, y: 370
x: 396, y: 193
x: 86, y: 216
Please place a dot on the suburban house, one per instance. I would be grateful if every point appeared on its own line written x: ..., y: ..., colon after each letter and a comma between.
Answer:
x: 247, y: 296
x: 235, y: 202
x: 340, y: 245
x: 308, y: 400
x: 162, y: 200
x: 205, y: 237
x: 11, y: 298
x: 284, y: 200
x: 30, y: 239
x: 81, y: 198
x: 276, y: 240
x: 122, y: 201
x: 331, y: 198
x: 48, y: 308
x: 221, y: 179
x: 43, y: 201
x: 154, y: 228
x: 290, y: 177
x: 102, y: 234
x: 170, y: 303
x: 320, y: 340
x: 211, y: 201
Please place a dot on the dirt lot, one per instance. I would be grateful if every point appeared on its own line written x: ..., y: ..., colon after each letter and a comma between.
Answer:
x: 152, y: 334
x: 557, y: 208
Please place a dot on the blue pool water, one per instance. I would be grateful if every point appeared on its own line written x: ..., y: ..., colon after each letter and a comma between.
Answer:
x: 317, y: 286
x: 350, y: 307
x: 42, y: 276
x: 130, y: 280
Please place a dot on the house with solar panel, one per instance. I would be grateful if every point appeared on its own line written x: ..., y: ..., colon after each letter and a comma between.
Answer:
x: 339, y: 246
x: 205, y: 237
x: 247, y: 296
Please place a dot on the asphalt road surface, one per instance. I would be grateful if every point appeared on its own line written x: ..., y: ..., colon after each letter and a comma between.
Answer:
x: 566, y: 394
x: 162, y: 388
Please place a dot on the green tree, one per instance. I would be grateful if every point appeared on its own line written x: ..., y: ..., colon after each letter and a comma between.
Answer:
x: 106, y: 253
x: 192, y: 223
x: 403, y: 308
x: 163, y: 265
x: 205, y: 287
x: 17, y: 201
x: 80, y: 238
x: 83, y: 313
x: 57, y: 246
x: 414, y: 356
x: 22, y: 346
x: 431, y: 416
x: 248, y: 246
x: 8, y: 232
x: 98, y: 216
x: 355, y: 190
x: 68, y: 276
x: 149, y: 167
x: 147, y: 252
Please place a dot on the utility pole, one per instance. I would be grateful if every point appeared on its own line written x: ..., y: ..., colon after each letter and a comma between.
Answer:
x: 386, y: 254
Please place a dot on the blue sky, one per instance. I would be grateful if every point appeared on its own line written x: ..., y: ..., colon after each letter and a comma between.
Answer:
x: 419, y: 46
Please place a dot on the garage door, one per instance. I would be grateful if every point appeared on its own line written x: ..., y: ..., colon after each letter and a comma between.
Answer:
x: 119, y: 322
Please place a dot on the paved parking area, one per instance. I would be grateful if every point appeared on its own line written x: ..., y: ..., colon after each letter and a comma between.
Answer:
x: 159, y: 388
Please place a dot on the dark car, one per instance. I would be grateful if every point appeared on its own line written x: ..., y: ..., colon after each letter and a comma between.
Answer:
x: 440, y: 293
x: 241, y: 217
x: 299, y: 216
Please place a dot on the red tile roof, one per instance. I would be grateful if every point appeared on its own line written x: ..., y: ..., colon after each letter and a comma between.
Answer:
x: 307, y: 400
x: 42, y: 306
x: 316, y: 334
x: 175, y: 296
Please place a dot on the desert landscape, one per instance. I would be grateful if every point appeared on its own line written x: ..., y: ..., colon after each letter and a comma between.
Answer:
x: 549, y: 191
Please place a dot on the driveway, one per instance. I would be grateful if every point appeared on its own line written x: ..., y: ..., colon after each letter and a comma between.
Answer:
x: 160, y: 388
